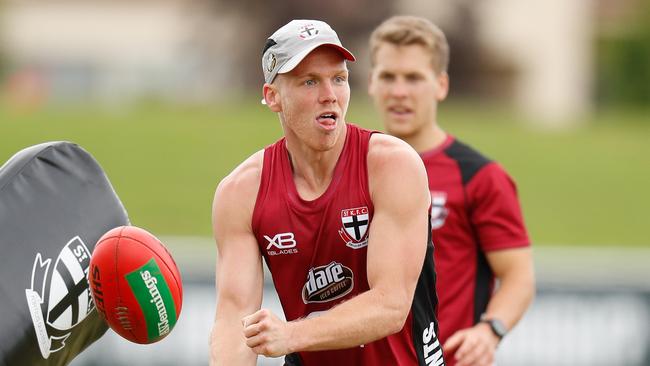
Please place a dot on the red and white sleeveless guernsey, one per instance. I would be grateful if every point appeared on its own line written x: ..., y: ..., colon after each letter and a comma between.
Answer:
x: 316, y: 251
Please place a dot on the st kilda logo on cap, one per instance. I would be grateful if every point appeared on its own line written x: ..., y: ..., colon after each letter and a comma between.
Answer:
x: 308, y: 31
x: 327, y: 283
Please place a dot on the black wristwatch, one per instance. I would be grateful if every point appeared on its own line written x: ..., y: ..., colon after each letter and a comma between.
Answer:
x: 497, y: 326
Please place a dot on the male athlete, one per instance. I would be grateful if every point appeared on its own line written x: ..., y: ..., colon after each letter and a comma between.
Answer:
x: 339, y: 214
x: 477, y: 223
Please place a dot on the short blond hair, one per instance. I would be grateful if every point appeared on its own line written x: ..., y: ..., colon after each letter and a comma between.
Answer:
x: 406, y: 30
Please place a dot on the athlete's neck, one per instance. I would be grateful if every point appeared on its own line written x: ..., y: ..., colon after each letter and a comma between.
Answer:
x: 428, y: 138
x: 313, y: 170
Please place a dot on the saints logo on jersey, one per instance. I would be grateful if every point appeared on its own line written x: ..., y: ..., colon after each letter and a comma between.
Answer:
x: 439, y: 212
x: 59, y: 297
x: 355, y: 223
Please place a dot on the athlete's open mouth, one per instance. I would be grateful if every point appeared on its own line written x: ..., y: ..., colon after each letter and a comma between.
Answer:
x: 400, y: 110
x: 327, y: 119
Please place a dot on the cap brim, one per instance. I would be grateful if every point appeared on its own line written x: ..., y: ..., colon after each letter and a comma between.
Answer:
x: 295, y: 60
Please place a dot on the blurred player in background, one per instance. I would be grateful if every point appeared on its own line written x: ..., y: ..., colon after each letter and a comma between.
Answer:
x: 478, y: 229
x: 339, y: 214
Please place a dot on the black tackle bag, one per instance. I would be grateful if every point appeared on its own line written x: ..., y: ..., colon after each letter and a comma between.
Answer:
x: 55, y: 203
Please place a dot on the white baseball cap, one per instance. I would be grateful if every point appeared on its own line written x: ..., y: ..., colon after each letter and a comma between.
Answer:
x: 293, y: 42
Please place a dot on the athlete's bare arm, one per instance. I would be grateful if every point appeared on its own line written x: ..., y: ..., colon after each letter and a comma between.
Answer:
x: 239, y: 266
x: 396, y: 249
x: 514, y: 270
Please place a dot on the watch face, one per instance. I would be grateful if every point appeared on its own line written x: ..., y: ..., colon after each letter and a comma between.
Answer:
x: 498, y: 327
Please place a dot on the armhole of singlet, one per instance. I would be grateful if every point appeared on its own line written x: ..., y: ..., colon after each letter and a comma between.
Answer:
x: 365, y: 186
x: 262, y: 190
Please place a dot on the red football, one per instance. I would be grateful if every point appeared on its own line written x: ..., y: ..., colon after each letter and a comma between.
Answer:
x: 135, y: 284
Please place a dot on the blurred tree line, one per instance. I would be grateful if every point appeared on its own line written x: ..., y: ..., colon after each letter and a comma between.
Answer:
x: 3, y: 59
x: 623, y: 60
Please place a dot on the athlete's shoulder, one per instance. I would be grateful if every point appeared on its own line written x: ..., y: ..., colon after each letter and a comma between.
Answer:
x: 477, y: 170
x: 470, y: 161
x: 243, y: 182
x: 392, y: 161
x: 386, y: 149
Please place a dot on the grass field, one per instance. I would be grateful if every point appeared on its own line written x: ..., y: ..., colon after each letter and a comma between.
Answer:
x: 585, y: 186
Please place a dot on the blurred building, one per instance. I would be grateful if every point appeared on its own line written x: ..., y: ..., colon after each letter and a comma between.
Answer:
x: 539, y: 56
x: 107, y: 50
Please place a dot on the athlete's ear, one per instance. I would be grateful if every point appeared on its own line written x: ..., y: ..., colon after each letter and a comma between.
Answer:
x: 271, y: 97
x: 442, y: 80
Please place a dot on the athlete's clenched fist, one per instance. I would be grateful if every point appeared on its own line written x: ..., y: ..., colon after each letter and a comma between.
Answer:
x: 266, y: 334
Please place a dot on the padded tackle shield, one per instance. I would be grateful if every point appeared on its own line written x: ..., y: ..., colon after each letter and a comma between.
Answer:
x: 55, y: 203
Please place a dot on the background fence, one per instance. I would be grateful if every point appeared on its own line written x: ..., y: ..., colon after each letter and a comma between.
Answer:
x: 571, y: 322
